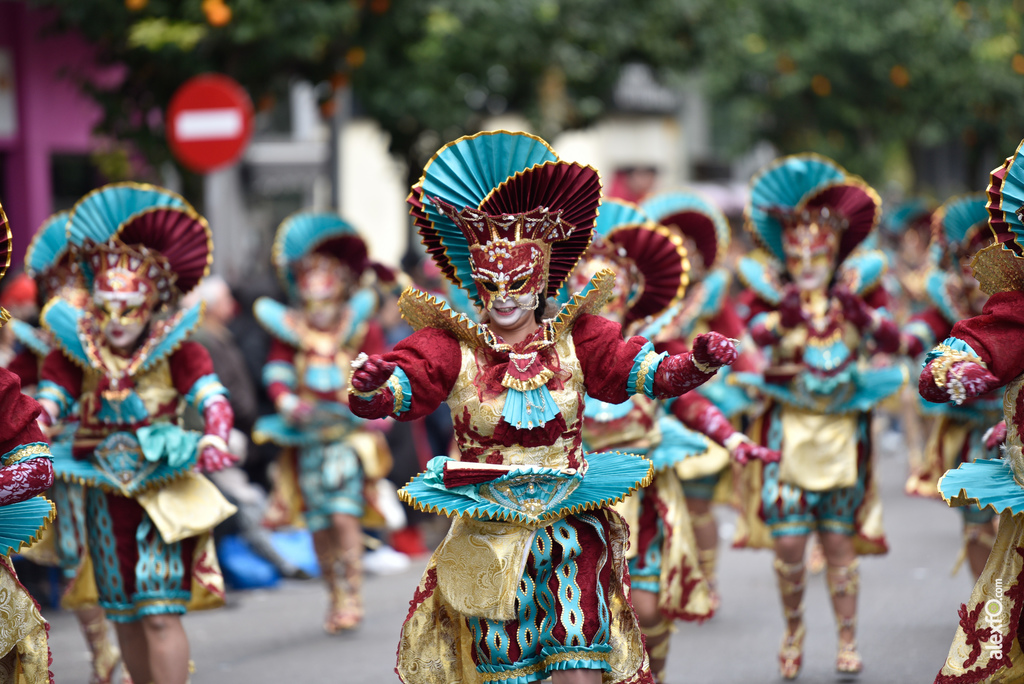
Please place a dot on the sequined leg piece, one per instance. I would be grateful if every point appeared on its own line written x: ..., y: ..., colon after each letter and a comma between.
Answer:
x: 658, y: 641
x: 844, y: 583
x: 105, y: 655
x: 792, y: 579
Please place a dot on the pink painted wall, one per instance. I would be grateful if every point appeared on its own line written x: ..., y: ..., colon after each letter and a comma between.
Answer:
x: 53, y: 116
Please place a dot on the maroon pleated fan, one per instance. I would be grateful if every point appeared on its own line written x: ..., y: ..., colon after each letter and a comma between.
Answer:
x: 348, y: 249
x: 179, y: 235
x: 699, y: 228
x: 570, y: 187
x: 857, y: 205
x: 660, y: 262
x: 997, y: 219
x: 429, y: 235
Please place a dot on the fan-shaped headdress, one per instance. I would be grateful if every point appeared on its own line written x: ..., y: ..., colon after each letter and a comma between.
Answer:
x: 51, y: 262
x: 694, y: 217
x: 649, y: 261
x: 140, y: 243
x: 809, y: 202
x: 961, y: 224
x: 5, y: 255
x: 1000, y: 267
x: 915, y: 213
x: 305, y: 236
x: 502, y: 216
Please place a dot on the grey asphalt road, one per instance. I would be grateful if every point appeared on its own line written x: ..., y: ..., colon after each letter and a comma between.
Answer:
x: 907, y: 618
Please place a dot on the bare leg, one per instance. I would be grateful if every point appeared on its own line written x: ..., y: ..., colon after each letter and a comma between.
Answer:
x: 325, y: 543
x: 349, y: 536
x: 576, y: 677
x: 168, y: 648
x: 843, y: 582
x: 134, y: 650
x: 705, y: 530
x: 655, y: 627
x: 791, y: 573
x: 105, y: 655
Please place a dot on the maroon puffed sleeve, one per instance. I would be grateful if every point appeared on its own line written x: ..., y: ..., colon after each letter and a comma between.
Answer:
x: 188, y: 364
x: 25, y: 365
x: 25, y: 479
x: 61, y: 371
x: 922, y: 326
x: 431, y: 360
x: 605, y: 357
x: 283, y: 353
x: 995, y: 334
x: 373, y: 342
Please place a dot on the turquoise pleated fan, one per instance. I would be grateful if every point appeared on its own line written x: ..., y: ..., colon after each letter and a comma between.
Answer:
x: 784, y: 185
x: 21, y: 522
x: 961, y: 214
x: 616, y: 213
x: 48, y: 245
x: 98, y: 215
x: 1012, y: 194
x: 464, y: 173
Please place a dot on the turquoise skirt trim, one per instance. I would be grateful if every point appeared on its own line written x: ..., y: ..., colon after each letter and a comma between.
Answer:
x: 678, y: 443
x: 987, y: 483
x: 332, y: 422
x: 865, y: 389
x: 120, y: 464
x: 21, y: 522
x: 531, y: 494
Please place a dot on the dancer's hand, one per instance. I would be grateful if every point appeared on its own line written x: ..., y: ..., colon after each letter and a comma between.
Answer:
x: 713, y: 350
x: 214, y: 454
x: 995, y: 435
x: 371, y: 372
x: 743, y: 450
x: 964, y: 380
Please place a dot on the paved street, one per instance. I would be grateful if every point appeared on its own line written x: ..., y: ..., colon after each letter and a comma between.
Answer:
x: 908, y: 614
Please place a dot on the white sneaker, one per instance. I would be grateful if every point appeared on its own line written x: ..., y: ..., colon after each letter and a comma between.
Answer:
x: 385, y: 561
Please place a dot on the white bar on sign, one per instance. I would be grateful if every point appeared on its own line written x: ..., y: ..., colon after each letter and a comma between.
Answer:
x: 208, y: 124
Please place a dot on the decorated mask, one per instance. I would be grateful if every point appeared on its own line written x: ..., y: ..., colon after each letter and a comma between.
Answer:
x: 129, y: 284
x: 810, y: 239
x: 509, y: 254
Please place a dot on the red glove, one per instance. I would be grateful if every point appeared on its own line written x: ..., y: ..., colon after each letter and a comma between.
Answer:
x: 964, y: 380
x: 747, y: 451
x: 379, y: 405
x: 714, y: 349
x: 373, y: 373
x: 24, y: 480
x: 855, y: 309
x: 995, y: 435
x: 791, y: 311
x: 219, y: 420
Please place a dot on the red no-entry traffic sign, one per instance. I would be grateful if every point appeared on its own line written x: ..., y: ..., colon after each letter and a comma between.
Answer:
x: 209, y: 122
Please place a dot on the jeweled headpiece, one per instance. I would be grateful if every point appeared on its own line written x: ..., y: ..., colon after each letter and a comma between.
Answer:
x: 649, y: 261
x: 310, y: 249
x: 502, y: 216
x: 809, y: 204
x: 139, y: 244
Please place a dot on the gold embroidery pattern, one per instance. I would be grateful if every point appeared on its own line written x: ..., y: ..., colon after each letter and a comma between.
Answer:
x: 22, y: 628
x: 25, y: 452
x: 645, y: 368
x: 950, y: 356
x: 397, y: 392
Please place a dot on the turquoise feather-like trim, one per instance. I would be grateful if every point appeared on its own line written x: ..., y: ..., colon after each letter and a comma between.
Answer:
x: 784, y: 186
x: 48, y: 246
x: 273, y: 316
x: 30, y: 336
x: 954, y: 343
x: 530, y: 409
x: 989, y: 483
x: 61, y: 319
x: 760, y: 279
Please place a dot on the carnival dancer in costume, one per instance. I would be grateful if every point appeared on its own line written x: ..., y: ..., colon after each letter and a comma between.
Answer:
x: 124, y: 360
x: 981, y: 354
x: 650, y: 266
x: 25, y: 472
x: 958, y: 435
x: 57, y: 273
x: 705, y: 232
x: 330, y: 459
x: 531, y: 581
x: 818, y: 312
